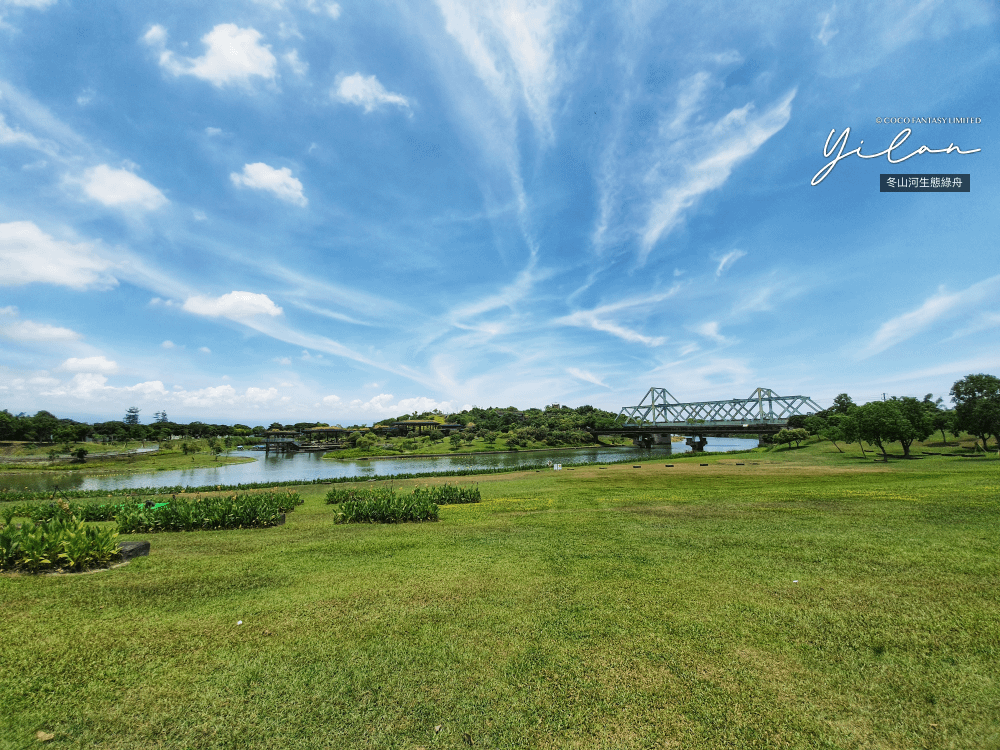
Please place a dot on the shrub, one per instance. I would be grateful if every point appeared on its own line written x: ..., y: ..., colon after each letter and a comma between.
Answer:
x: 63, y: 543
x: 357, y: 494
x: 447, y: 494
x: 381, y: 505
x: 209, y: 513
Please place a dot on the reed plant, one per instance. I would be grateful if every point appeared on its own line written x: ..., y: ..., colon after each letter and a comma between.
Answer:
x: 61, y: 543
x: 238, y: 511
x: 386, y: 507
x: 448, y: 494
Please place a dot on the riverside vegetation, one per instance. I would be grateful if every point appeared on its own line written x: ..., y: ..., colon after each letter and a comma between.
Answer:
x: 791, y: 597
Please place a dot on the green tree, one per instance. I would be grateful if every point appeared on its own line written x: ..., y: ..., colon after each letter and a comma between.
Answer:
x: 919, y: 420
x: 842, y: 404
x: 131, y: 415
x: 881, y: 422
x: 941, y: 419
x: 831, y: 428
x: 977, y: 405
x: 44, y: 425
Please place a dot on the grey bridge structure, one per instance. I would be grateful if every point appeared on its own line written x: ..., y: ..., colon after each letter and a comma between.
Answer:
x: 659, y: 416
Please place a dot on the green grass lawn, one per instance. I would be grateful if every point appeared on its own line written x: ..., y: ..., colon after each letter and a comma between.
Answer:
x: 805, y: 599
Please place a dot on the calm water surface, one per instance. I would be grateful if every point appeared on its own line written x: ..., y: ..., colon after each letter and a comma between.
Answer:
x: 277, y: 467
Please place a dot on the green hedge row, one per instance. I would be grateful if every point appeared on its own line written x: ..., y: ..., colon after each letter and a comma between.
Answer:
x: 386, y: 507
x: 247, y: 511
x: 63, y: 543
x: 447, y: 494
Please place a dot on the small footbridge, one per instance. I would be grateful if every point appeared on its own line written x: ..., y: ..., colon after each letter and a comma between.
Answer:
x: 659, y: 416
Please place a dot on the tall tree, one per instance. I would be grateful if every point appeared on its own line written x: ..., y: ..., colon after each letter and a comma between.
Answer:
x: 842, y: 404
x: 919, y: 426
x: 131, y: 415
x: 879, y: 422
x: 977, y: 405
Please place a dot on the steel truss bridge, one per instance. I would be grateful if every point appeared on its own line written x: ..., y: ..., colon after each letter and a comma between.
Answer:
x: 659, y: 415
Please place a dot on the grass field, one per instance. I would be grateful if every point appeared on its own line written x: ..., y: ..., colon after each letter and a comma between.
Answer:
x: 805, y: 599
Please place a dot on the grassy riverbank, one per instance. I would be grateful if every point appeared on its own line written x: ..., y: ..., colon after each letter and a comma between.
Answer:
x: 424, y: 446
x: 117, y: 458
x: 802, y: 599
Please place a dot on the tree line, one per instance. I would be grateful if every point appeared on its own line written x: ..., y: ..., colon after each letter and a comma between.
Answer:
x: 904, y: 419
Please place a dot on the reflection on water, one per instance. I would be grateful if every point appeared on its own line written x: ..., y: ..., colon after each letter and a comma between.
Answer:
x: 279, y: 467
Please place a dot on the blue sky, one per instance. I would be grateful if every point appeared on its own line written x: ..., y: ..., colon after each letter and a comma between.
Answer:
x: 302, y: 210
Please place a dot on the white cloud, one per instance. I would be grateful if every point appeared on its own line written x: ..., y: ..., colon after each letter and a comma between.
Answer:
x: 11, y: 137
x: 85, y: 97
x: 168, y: 344
x: 937, y: 307
x: 96, y: 364
x: 204, y: 350
x: 587, y: 376
x: 119, y: 187
x: 330, y: 9
x: 35, y: 4
x: 696, y: 161
x: 227, y: 395
x: 599, y: 318
x: 710, y: 330
x: 28, y: 255
x: 727, y: 260
x: 366, y: 92
x: 512, y: 48
x: 383, y: 405
x: 235, y: 306
x: 827, y: 30
x: 233, y: 55
x: 15, y: 329
x: 298, y: 67
x: 331, y: 400
x: 283, y: 360
x: 260, y: 176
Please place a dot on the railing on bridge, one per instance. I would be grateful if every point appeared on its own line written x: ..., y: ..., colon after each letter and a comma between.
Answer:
x: 764, y: 407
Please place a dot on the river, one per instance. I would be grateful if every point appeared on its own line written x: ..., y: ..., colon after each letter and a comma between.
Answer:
x: 278, y: 467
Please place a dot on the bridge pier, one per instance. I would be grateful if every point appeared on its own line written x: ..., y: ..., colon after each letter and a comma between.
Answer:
x: 697, y: 442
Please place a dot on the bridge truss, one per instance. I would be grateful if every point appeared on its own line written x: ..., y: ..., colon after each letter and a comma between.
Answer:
x: 764, y: 408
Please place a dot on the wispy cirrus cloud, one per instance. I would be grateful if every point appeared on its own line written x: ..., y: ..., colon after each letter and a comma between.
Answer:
x: 586, y: 376
x: 727, y: 260
x: 938, y: 307
x: 604, y: 318
x: 694, y: 161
